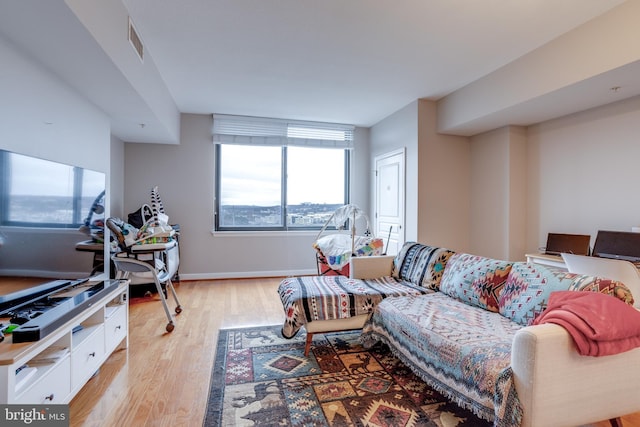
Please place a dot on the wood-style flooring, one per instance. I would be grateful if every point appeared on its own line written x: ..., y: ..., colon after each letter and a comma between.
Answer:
x: 162, y: 379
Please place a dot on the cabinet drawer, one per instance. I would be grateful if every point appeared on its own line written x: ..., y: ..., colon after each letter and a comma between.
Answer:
x: 53, y: 387
x: 115, y: 327
x: 87, y: 356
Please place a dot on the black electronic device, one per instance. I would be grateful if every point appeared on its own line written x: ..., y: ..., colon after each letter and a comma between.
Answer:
x: 44, y: 205
x: 13, y: 301
x: 558, y: 243
x: 623, y: 245
x: 61, y: 311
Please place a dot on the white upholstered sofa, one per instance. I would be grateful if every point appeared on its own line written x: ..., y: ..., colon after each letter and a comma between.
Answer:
x: 555, y: 385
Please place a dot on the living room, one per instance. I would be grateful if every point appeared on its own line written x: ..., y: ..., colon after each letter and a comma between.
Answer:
x: 480, y: 176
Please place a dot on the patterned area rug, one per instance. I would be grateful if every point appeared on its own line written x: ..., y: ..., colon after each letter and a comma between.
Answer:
x: 262, y: 379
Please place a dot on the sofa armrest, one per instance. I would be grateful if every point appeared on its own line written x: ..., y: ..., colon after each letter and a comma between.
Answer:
x: 557, y: 386
x: 370, y: 267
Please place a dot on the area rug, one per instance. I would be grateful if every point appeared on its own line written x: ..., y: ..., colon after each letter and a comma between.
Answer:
x: 262, y: 379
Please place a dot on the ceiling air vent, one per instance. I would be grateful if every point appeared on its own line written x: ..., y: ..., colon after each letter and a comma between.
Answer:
x: 135, y: 40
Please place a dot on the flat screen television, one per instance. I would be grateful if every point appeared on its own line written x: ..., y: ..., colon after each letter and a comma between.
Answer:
x: 47, y: 209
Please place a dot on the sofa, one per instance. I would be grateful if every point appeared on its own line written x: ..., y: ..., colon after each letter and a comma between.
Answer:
x: 475, y: 337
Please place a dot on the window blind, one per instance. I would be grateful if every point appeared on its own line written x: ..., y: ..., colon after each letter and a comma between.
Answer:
x: 229, y: 129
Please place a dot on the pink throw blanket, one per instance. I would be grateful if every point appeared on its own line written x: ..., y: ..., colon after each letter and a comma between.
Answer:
x: 599, y: 324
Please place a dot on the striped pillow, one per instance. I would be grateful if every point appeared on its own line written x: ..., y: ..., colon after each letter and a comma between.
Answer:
x: 420, y: 264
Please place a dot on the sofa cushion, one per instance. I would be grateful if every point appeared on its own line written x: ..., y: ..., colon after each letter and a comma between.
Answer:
x: 604, y: 286
x: 420, y: 264
x: 527, y: 290
x: 475, y: 280
x: 528, y: 287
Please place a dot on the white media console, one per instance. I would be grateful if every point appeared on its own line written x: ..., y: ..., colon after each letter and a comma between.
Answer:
x: 55, y: 368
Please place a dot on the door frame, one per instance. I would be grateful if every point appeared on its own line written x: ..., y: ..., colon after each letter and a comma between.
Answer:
x: 397, y: 233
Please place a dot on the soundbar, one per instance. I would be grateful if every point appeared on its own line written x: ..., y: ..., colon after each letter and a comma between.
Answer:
x: 51, y: 319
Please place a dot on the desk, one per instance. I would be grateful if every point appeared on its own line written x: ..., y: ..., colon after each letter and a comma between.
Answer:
x: 552, y: 260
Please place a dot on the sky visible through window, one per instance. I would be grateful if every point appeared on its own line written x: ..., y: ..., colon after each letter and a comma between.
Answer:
x: 251, y: 193
x: 252, y: 176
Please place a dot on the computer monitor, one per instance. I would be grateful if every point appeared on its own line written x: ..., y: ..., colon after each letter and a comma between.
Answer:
x: 558, y: 243
x: 618, y: 245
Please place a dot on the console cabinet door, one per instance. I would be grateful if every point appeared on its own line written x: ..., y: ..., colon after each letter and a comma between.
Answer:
x: 116, y: 327
x: 87, y: 357
x: 52, y: 388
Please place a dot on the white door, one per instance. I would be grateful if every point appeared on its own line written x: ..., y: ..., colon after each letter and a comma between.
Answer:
x: 389, y: 215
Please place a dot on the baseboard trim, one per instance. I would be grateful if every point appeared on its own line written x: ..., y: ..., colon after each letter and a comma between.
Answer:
x: 247, y: 274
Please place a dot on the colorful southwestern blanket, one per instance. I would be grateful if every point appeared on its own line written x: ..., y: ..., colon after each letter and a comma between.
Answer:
x: 310, y: 298
x: 463, y: 352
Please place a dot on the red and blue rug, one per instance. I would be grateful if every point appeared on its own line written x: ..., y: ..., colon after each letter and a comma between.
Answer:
x: 262, y: 379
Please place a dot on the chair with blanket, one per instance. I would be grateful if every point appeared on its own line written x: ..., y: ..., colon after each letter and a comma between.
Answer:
x: 334, y: 251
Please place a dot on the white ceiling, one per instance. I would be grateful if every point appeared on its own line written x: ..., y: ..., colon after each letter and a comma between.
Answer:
x: 344, y: 61
x: 354, y: 61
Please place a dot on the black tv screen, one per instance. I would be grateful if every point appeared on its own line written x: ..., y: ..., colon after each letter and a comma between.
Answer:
x: 46, y: 210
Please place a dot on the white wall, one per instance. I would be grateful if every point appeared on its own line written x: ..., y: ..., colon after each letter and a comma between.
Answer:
x: 559, y: 77
x: 185, y: 174
x: 116, y: 178
x: 583, y: 173
x: 362, y: 172
x: 517, y: 229
x: 153, y: 105
x: 43, y: 117
x: 399, y: 130
x: 443, y: 184
x: 489, y: 189
x: 437, y: 175
x: 498, y: 188
x: 576, y: 174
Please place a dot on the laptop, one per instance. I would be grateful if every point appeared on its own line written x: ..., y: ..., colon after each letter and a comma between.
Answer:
x: 558, y: 243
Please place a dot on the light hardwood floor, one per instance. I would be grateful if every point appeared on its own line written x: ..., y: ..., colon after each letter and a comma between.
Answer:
x: 163, y: 379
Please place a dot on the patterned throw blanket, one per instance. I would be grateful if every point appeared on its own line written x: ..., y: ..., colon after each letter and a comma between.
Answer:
x: 463, y: 352
x: 310, y: 298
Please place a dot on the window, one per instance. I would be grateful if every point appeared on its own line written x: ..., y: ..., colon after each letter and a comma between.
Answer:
x: 268, y: 181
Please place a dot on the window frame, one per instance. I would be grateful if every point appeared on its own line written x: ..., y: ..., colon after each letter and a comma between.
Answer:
x: 283, y: 201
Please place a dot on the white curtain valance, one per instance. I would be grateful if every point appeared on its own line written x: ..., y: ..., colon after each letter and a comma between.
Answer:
x: 228, y: 129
